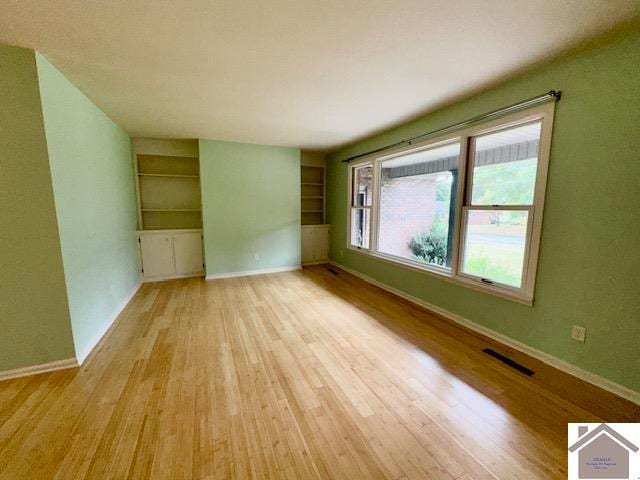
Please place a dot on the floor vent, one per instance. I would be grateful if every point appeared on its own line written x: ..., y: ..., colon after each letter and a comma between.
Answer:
x: 508, y: 361
x: 333, y: 271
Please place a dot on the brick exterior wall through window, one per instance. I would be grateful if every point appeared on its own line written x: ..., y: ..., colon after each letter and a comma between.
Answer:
x: 408, y: 206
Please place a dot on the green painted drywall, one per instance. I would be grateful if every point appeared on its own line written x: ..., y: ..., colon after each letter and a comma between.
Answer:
x: 250, y: 205
x: 94, y: 190
x: 589, y: 266
x: 34, y: 316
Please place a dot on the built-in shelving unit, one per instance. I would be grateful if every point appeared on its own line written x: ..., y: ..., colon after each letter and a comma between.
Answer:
x: 170, y: 236
x: 312, y: 194
x: 169, y: 189
x: 314, y: 232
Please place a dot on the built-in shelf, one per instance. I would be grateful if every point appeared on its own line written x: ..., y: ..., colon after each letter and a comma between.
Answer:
x: 170, y: 209
x: 166, y: 175
x: 312, y: 194
x: 169, y: 191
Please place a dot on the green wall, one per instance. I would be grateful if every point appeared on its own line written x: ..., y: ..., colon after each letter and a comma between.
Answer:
x: 250, y: 205
x: 34, y: 316
x: 589, y: 266
x: 95, y: 200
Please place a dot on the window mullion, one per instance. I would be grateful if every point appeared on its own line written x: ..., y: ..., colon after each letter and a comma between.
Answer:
x: 460, y: 202
x: 469, y: 165
x: 375, y: 202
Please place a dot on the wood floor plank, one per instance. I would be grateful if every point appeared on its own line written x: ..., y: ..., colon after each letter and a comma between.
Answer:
x: 302, y: 375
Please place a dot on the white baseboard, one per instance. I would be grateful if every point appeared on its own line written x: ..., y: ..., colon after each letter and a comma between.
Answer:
x: 80, y: 356
x: 176, y: 276
x: 42, y: 368
x: 100, y: 335
x: 246, y: 273
x: 550, y: 360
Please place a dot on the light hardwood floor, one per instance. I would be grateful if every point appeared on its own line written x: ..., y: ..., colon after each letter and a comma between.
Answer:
x: 299, y: 375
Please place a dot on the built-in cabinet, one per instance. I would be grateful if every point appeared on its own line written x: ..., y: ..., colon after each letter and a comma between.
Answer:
x: 169, y: 254
x: 315, y: 233
x: 169, y: 208
x: 315, y: 244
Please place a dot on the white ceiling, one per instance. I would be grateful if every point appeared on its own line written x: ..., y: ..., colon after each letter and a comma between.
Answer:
x: 306, y: 73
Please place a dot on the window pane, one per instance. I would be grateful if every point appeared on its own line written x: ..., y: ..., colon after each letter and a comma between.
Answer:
x: 417, y: 205
x: 360, y: 222
x: 505, y: 166
x: 362, y: 186
x: 494, y: 245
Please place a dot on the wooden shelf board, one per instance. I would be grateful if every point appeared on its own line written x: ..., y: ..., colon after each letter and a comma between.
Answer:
x: 307, y: 183
x: 310, y: 197
x: 167, y: 175
x: 311, y: 211
x: 170, y: 209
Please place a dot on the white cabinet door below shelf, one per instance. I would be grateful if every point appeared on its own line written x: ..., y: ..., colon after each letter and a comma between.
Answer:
x: 307, y: 245
x: 315, y: 244
x: 320, y: 244
x: 157, y: 255
x: 188, y: 252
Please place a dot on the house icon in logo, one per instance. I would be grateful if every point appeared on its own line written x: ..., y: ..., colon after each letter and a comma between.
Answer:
x: 602, y: 453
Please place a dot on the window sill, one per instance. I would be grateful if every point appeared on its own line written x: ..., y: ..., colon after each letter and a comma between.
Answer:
x: 442, y: 275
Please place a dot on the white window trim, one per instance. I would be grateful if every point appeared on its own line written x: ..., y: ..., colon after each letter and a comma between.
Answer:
x: 351, y: 207
x: 525, y: 294
x: 525, y: 268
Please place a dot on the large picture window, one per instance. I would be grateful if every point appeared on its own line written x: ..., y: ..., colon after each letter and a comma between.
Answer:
x: 468, y: 206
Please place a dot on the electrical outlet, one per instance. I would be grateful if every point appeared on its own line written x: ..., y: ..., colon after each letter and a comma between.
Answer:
x: 342, y: 252
x: 256, y: 256
x: 578, y: 333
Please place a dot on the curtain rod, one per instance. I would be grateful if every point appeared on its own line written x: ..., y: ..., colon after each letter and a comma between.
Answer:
x: 551, y: 95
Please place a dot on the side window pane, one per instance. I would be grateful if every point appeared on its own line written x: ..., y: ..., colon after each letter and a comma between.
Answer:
x: 417, y: 205
x: 362, y: 186
x: 360, y: 223
x: 494, y: 245
x: 505, y: 165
